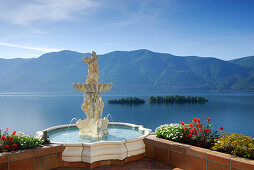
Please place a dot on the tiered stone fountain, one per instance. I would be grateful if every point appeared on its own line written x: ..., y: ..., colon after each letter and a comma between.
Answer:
x: 95, y: 138
x: 93, y: 105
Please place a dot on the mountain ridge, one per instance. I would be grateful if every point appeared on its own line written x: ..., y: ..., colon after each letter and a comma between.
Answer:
x: 137, y: 71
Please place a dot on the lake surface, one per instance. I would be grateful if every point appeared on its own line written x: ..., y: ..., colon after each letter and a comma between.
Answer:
x: 32, y: 112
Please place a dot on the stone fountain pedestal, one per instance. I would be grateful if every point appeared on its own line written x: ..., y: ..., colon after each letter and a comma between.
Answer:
x: 94, y: 125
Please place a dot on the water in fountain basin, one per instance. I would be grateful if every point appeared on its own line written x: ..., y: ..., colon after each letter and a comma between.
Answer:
x: 67, y: 134
x: 119, y: 133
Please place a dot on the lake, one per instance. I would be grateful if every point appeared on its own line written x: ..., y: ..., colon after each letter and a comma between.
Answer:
x: 30, y: 112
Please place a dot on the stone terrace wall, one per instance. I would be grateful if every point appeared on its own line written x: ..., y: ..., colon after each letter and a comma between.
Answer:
x: 41, y: 158
x: 193, y: 158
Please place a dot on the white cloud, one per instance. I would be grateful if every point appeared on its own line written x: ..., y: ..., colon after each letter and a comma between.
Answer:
x: 25, y: 12
x: 28, y: 47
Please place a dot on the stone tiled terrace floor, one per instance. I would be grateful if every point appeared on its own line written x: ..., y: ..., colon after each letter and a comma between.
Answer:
x: 143, y: 164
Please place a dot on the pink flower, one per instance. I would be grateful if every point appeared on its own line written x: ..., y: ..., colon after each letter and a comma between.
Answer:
x: 208, y: 119
x: 191, y: 130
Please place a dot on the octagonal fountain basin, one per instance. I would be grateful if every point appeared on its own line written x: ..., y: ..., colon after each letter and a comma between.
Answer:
x: 123, y: 140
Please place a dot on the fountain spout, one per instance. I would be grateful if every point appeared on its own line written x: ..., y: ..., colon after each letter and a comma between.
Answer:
x: 94, y: 125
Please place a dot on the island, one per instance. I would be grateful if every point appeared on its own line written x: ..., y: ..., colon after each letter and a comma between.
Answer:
x: 177, y: 99
x: 127, y: 100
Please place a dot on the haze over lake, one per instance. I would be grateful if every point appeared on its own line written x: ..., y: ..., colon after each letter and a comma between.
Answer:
x: 30, y: 112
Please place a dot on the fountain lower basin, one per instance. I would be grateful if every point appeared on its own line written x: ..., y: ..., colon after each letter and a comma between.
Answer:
x: 123, y: 140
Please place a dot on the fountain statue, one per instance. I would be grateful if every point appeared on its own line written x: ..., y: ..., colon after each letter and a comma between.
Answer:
x: 86, y: 144
x: 93, y: 125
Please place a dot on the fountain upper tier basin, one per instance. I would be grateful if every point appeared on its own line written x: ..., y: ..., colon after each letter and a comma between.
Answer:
x: 92, y: 87
x: 122, y: 141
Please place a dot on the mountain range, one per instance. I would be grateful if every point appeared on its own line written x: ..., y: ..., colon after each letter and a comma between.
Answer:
x: 139, y: 71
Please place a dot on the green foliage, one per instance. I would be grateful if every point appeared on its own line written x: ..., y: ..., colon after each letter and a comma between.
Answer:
x: 27, y: 142
x: 16, y: 141
x: 235, y: 144
x: 176, y: 99
x: 199, y: 133
x: 196, y: 133
x: 170, y: 131
x: 128, y: 100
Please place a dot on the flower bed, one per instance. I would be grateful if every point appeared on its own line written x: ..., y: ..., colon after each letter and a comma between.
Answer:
x: 20, y: 151
x: 17, y: 141
x: 43, y: 157
x: 201, y: 134
x: 189, y: 157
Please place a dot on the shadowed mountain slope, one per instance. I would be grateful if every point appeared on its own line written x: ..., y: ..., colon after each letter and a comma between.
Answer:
x: 138, y: 71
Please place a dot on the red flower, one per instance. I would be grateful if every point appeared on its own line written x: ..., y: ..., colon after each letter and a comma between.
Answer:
x: 11, y: 138
x: 196, y: 133
x: 200, y: 129
x: 3, y: 138
x: 6, y: 146
x: 200, y: 126
x: 191, y: 130
x: 194, y: 120
x: 194, y: 128
x: 207, y: 130
x: 15, y: 145
x: 198, y: 120
x: 184, y: 128
x: 182, y: 123
x: 191, y: 124
x: 190, y: 135
x: 221, y: 128
x: 14, y: 132
x: 208, y: 119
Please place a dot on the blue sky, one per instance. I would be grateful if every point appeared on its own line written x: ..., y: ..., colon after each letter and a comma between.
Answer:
x: 210, y: 28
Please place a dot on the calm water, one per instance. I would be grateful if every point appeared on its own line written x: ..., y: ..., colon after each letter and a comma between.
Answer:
x: 116, y: 133
x: 30, y: 112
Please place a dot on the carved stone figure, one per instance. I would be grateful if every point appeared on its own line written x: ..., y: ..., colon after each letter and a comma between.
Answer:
x: 93, y: 105
x: 93, y: 68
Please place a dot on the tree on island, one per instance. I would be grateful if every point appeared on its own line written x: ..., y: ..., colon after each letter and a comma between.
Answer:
x: 128, y: 100
x: 176, y: 99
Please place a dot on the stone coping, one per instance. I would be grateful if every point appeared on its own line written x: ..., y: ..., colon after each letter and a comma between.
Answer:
x: 191, y: 157
x: 102, y: 150
x: 43, y: 157
x: 140, y: 128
